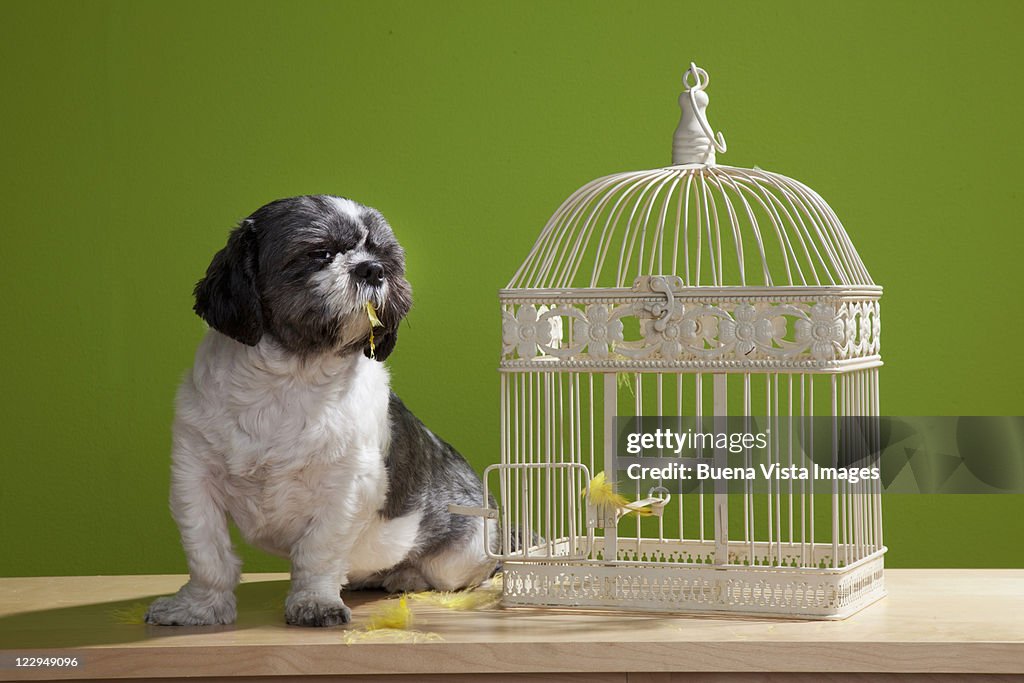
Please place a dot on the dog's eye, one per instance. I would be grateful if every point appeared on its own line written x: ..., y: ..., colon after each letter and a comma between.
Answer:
x: 323, y: 255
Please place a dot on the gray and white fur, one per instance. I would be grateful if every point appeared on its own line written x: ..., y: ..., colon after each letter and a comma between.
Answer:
x: 287, y: 426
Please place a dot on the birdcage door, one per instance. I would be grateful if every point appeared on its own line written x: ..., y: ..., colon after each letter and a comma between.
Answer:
x: 542, y: 511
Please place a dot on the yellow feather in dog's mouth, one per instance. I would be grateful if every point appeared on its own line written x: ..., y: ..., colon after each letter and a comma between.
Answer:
x: 371, y: 313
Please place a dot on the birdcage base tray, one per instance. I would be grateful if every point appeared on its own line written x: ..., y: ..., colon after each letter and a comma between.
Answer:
x: 774, y: 591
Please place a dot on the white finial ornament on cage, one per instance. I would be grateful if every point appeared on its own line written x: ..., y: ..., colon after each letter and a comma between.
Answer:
x: 714, y: 291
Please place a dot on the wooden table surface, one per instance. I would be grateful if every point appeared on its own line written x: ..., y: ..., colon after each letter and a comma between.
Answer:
x: 938, y: 621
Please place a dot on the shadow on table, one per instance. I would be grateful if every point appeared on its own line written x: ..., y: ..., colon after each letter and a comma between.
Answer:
x: 260, y: 604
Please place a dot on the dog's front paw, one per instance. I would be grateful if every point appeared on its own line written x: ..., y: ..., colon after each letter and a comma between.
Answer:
x: 306, y: 608
x: 193, y: 607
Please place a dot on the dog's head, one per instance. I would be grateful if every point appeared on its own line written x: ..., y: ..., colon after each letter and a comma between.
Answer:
x: 302, y: 270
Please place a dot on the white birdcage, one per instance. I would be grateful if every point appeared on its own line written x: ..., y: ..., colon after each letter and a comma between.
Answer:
x: 703, y: 290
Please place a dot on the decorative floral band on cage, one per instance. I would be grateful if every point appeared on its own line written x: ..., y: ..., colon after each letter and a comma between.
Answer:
x: 777, y: 328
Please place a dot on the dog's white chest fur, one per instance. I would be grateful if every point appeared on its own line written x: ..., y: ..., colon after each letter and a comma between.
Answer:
x: 293, y: 444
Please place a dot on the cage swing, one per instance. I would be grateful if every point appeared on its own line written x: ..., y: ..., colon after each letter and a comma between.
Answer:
x: 695, y: 289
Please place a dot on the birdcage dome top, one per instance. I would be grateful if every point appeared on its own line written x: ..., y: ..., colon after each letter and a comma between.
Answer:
x: 707, y: 224
x: 693, y: 267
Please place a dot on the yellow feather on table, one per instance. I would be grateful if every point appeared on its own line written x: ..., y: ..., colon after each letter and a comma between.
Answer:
x: 460, y: 601
x: 390, y: 623
x: 132, y: 614
x: 389, y: 635
x: 484, y: 596
x: 393, y: 614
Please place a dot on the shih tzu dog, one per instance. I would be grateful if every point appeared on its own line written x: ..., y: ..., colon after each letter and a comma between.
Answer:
x: 286, y: 425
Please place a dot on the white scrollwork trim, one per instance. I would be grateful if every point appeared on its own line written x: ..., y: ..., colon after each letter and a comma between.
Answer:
x: 658, y: 323
x: 744, y: 331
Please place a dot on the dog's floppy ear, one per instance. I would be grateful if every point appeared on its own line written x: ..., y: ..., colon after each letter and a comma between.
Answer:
x: 227, y: 298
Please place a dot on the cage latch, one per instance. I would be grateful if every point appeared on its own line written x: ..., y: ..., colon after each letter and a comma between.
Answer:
x: 659, y: 284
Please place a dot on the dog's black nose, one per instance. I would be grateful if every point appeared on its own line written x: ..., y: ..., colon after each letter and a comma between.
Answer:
x: 370, y: 271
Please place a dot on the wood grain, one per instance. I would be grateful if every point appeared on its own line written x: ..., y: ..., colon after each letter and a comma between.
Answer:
x: 933, y: 622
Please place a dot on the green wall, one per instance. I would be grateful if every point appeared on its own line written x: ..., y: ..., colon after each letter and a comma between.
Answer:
x: 133, y: 135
